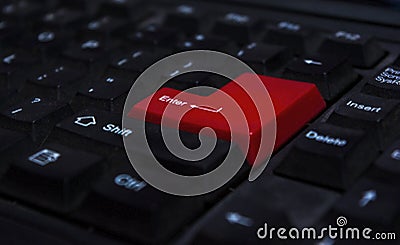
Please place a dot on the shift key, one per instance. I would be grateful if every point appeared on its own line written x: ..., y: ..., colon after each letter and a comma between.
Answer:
x: 329, y: 155
x: 94, y: 130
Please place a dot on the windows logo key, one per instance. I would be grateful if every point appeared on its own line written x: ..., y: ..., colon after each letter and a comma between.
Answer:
x: 44, y: 157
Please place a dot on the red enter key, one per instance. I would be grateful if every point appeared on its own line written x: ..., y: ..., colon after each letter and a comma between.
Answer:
x: 239, y: 111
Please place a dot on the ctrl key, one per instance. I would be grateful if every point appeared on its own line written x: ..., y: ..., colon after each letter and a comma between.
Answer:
x: 329, y: 155
x: 123, y: 204
x: 53, y: 176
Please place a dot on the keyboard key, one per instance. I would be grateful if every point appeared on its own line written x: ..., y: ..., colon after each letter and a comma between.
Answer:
x: 385, y: 84
x: 93, y: 130
x: 10, y: 138
x: 264, y: 58
x: 362, y: 50
x: 62, y: 18
x: 331, y: 75
x: 135, y: 209
x: 371, y: 204
x: 108, y: 92
x: 290, y: 34
x: 52, y: 176
x: 375, y: 115
x: 388, y: 163
x: 239, y: 217
x: 136, y: 59
x: 21, y: 10
x: 329, y: 155
x: 236, y: 26
x: 291, y: 96
x: 209, y: 42
x: 59, y: 79
x: 155, y: 139
x: 187, y: 80
x: 88, y: 51
x: 154, y: 35
x: 118, y: 8
x: 102, y: 26
x: 184, y: 17
x: 35, y: 115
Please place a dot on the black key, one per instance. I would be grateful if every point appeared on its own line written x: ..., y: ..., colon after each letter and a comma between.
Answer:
x: 388, y: 164
x: 46, y: 42
x: 362, y: 50
x: 371, y: 204
x: 271, y: 200
x: 61, y: 18
x: 375, y: 115
x: 154, y: 35
x: 264, y: 58
x: 62, y: 173
x: 209, y: 42
x: 14, y: 65
x: 102, y: 26
x: 21, y: 10
x: 39, y: 228
x: 108, y: 92
x: 385, y: 84
x: 135, y: 209
x: 119, y: 8
x: 8, y: 30
x: 10, y: 138
x: 332, y: 75
x: 60, y: 80
x: 236, y: 26
x: 35, y: 115
x: 187, y: 80
x: 290, y: 34
x: 93, y: 130
x: 328, y: 155
x: 178, y: 165
x: 89, y: 51
x: 184, y: 17
x: 136, y: 60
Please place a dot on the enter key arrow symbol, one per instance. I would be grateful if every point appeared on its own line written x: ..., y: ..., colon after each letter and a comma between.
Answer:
x: 206, y: 109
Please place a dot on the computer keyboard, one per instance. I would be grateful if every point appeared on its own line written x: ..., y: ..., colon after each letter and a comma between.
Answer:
x: 65, y: 72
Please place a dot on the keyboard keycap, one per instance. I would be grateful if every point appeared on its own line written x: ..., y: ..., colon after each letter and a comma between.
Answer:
x: 136, y: 59
x: 93, y: 130
x: 209, y: 42
x: 35, y: 115
x: 184, y: 17
x: 287, y: 33
x: 362, y: 50
x: 264, y: 58
x: 154, y: 35
x: 369, y: 203
x: 388, y: 163
x: 386, y: 84
x: 62, y: 18
x: 102, y: 26
x: 88, y: 51
x: 108, y: 92
x: 135, y: 209
x: 331, y: 75
x: 287, y: 96
x: 239, y: 217
x: 52, y: 176
x: 236, y: 26
x: 59, y: 79
x: 10, y: 138
x: 375, y: 115
x: 329, y: 155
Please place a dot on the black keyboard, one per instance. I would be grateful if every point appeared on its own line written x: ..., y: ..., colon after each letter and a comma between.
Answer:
x: 66, y: 69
